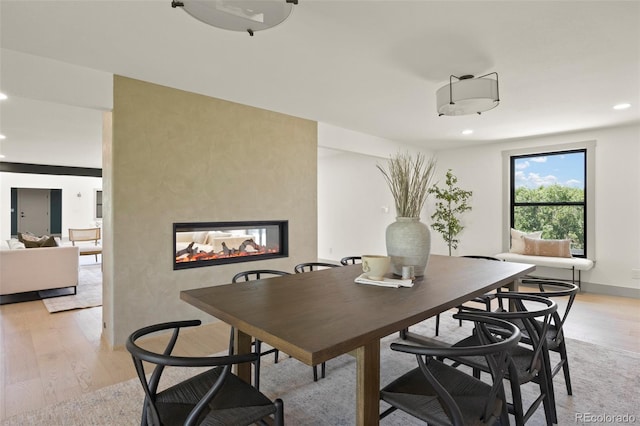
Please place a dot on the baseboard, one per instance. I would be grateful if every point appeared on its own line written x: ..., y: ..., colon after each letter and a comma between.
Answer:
x: 610, y: 290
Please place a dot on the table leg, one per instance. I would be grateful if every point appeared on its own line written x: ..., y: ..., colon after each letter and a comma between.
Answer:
x: 242, y: 345
x: 368, y: 384
x: 513, y: 286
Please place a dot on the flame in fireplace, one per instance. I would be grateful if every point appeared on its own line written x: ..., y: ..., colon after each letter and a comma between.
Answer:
x: 196, y: 255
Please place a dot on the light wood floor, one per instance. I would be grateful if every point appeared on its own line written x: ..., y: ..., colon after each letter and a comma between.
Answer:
x: 48, y: 358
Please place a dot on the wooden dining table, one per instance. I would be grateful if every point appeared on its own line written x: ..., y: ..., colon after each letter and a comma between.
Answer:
x: 316, y: 316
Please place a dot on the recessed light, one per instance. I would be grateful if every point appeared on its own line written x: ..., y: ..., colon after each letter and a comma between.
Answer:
x: 2, y: 137
x: 467, y: 132
x: 1, y: 156
x: 2, y: 96
x: 622, y: 106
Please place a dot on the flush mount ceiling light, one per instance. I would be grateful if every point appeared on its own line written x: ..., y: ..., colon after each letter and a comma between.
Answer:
x: 238, y: 15
x: 468, y: 95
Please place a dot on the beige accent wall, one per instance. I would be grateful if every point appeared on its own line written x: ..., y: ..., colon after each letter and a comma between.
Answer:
x: 176, y: 156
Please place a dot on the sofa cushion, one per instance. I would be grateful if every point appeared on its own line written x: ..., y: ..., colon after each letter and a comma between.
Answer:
x: 550, y: 248
x: 15, y: 244
x: 517, y: 240
x: 4, y: 245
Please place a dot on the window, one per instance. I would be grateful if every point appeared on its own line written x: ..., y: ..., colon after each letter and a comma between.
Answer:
x: 98, y: 204
x: 551, y: 190
x: 548, y: 195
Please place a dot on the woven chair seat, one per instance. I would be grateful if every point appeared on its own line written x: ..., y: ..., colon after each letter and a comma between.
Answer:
x: 237, y: 403
x: 409, y: 394
x: 520, y: 356
x: 552, y: 336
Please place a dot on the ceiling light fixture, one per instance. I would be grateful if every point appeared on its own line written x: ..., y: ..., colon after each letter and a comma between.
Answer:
x: 3, y: 96
x: 468, y: 95
x: 622, y: 106
x: 2, y: 137
x: 238, y: 15
x: 467, y: 132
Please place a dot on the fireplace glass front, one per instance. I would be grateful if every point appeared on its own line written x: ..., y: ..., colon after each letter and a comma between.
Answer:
x: 214, y: 243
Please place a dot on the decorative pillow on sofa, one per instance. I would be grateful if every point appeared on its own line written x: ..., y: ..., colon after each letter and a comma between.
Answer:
x: 32, y: 241
x: 550, y: 248
x: 517, y: 240
x: 50, y: 241
x: 28, y: 239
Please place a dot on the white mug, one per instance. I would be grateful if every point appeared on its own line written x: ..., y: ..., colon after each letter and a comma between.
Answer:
x: 375, y: 266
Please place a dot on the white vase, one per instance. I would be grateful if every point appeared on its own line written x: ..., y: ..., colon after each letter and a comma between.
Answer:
x: 408, y: 243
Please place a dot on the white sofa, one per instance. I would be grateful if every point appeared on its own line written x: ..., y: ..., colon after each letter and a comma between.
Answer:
x: 34, y: 269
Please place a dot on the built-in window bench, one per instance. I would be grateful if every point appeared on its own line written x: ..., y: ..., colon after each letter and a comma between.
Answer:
x: 575, y: 264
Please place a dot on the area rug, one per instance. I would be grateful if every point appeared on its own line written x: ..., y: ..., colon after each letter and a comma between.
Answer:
x: 604, y: 386
x: 89, y: 292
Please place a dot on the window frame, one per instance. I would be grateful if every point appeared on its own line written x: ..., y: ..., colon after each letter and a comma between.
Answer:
x: 97, y: 204
x: 508, y: 157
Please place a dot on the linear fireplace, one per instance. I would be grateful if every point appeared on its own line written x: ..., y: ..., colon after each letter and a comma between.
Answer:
x: 214, y: 243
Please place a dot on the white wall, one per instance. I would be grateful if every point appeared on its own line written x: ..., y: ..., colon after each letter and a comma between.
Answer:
x: 355, y: 205
x: 617, y: 205
x: 77, y: 212
x: 351, y: 193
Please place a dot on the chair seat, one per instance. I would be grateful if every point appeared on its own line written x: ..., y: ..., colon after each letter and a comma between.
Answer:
x: 554, y: 339
x: 90, y: 249
x: 521, y: 357
x: 238, y: 403
x: 414, y: 395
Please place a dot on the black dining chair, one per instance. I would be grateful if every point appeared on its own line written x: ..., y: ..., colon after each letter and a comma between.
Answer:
x: 215, y: 396
x: 529, y: 362
x: 440, y: 394
x: 480, y: 299
x: 556, y: 341
x: 350, y: 260
x: 308, y: 267
x: 252, y: 275
x: 313, y: 266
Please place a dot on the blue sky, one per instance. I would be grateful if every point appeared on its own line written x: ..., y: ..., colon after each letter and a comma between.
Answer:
x: 561, y: 169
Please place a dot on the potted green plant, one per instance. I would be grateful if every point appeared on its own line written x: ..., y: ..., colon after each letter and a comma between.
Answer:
x: 451, y: 203
x: 408, y: 240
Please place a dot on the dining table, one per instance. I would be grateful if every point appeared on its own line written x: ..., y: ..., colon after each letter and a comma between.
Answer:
x: 319, y: 315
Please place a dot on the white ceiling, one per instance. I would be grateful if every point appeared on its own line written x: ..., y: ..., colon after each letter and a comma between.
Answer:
x: 369, y: 66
